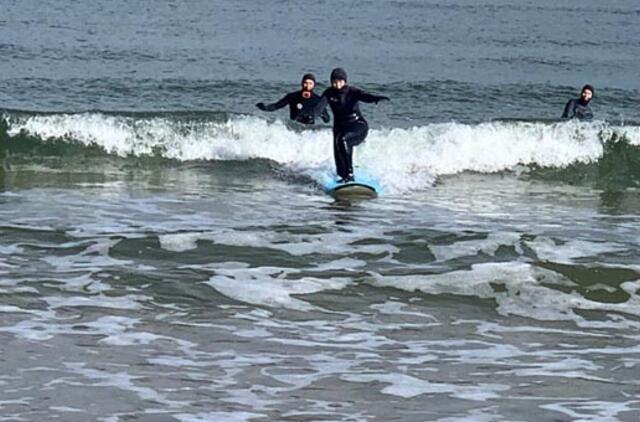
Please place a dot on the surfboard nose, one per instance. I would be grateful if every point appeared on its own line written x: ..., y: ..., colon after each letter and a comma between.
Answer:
x: 353, y: 190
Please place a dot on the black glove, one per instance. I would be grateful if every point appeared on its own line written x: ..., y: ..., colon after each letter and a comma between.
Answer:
x: 383, y: 98
x: 261, y: 106
x: 325, y: 118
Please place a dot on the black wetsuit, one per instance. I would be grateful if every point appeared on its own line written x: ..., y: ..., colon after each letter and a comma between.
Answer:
x: 577, y: 109
x: 300, y: 109
x: 349, y: 126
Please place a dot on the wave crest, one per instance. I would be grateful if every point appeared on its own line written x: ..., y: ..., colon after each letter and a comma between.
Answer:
x: 401, y: 158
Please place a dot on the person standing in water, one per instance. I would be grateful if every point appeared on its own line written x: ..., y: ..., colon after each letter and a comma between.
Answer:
x: 349, y: 126
x: 301, y: 103
x: 579, y: 108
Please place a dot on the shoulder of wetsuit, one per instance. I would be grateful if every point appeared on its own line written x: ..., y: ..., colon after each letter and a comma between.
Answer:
x: 360, y: 92
x: 330, y: 93
x: 572, y: 102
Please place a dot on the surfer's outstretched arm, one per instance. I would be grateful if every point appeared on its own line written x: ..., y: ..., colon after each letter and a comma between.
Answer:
x: 365, y: 97
x: 274, y: 106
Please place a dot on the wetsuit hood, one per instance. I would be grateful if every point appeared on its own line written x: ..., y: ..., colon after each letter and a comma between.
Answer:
x: 338, y: 73
x: 309, y: 76
x: 584, y: 88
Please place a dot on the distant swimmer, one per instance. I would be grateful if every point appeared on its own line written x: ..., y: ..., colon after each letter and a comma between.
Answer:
x: 579, y: 108
x: 349, y: 126
x: 301, y: 103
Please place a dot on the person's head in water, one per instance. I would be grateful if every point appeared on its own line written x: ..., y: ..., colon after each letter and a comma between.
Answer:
x: 308, y: 83
x: 587, y: 93
x: 338, y: 78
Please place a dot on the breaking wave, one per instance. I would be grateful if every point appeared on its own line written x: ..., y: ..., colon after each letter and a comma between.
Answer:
x: 401, y: 158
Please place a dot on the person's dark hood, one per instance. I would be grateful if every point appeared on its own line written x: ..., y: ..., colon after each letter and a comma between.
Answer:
x: 309, y: 76
x: 584, y: 88
x: 339, y: 73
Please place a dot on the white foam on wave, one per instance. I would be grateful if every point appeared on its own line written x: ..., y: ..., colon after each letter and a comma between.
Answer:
x: 10, y: 249
x: 564, y: 367
x: 94, y: 257
x: 218, y: 417
x: 294, y: 244
x: 83, y: 283
x: 603, y: 411
x: 178, y: 242
x: 44, y: 327
x: 406, y: 386
x: 269, y: 286
x: 518, y: 289
x: 129, y: 302
x: 565, y: 252
x: 66, y: 409
x: 488, y: 246
x: 114, y: 330
x: 122, y: 381
x: 632, y: 133
x: 391, y: 307
x: 400, y: 158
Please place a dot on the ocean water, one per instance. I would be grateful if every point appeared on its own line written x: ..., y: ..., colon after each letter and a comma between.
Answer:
x: 167, y: 252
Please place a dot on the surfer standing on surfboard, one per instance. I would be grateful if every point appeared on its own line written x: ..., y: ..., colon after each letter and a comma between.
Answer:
x: 349, y: 126
x: 301, y: 103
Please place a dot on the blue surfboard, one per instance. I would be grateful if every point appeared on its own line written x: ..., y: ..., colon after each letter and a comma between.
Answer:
x: 361, y: 188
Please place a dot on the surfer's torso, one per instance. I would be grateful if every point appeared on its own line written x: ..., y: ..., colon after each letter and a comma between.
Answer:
x: 577, y: 109
x: 344, y: 104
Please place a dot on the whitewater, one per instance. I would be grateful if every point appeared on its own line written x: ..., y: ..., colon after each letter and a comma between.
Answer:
x: 403, y: 159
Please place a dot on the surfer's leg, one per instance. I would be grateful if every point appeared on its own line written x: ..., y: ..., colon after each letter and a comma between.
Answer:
x: 349, y: 139
x: 339, y: 156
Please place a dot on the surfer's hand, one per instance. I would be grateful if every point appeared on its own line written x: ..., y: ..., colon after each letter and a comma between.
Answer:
x: 261, y: 106
x: 383, y: 98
